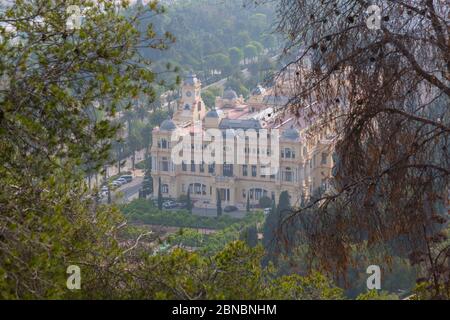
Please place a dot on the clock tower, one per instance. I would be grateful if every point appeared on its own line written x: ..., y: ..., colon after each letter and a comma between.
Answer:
x: 190, y: 106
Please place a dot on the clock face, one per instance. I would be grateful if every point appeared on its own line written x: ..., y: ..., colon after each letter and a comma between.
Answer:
x: 188, y: 94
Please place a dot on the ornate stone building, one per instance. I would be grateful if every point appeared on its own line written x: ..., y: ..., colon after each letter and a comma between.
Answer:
x: 304, y: 165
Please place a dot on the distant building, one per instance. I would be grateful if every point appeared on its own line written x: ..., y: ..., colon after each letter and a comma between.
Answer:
x: 305, y: 163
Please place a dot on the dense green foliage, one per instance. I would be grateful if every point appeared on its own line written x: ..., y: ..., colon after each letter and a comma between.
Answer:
x: 397, y: 274
x: 189, y: 201
x: 250, y: 235
x: 219, y: 204
x: 214, y: 242
x: 233, y: 273
x: 377, y: 295
x: 47, y: 226
x: 273, y: 227
x: 144, y: 211
x: 209, y: 95
x: 208, y: 34
x: 139, y: 123
x: 265, y: 202
x: 68, y: 94
x: 160, y: 197
x: 64, y: 86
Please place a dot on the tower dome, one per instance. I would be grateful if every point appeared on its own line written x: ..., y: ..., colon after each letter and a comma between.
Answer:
x: 167, y: 125
x: 230, y: 94
x: 212, y: 114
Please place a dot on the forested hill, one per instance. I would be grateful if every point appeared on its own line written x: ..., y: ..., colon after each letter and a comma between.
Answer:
x: 206, y: 30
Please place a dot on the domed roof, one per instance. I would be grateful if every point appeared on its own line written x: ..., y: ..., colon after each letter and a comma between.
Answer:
x: 230, y: 94
x: 290, y: 134
x: 167, y: 125
x: 212, y: 114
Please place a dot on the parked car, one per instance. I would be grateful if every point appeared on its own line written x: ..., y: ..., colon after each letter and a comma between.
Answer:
x: 182, y: 205
x: 120, y: 182
x: 115, y: 184
x: 169, y: 204
x: 128, y: 178
x: 123, y: 180
x: 267, y: 210
x: 230, y: 209
x: 104, y: 189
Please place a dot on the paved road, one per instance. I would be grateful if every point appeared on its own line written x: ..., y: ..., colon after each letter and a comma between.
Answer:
x: 219, y: 83
x: 114, y: 170
x: 127, y: 192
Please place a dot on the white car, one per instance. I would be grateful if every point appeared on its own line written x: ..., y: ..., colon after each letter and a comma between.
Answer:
x: 128, y: 178
x: 115, y: 184
x: 267, y: 210
x: 169, y: 204
x: 119, y: 182
x: 122, y: 180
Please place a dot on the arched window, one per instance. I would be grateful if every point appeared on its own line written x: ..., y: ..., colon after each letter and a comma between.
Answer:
x: 165, y: 188
x: 198, y: 189
x: 257, y: 193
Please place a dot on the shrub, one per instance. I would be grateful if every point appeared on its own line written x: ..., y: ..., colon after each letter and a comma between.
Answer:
x: 144, y: 211
x: 265, y: 202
